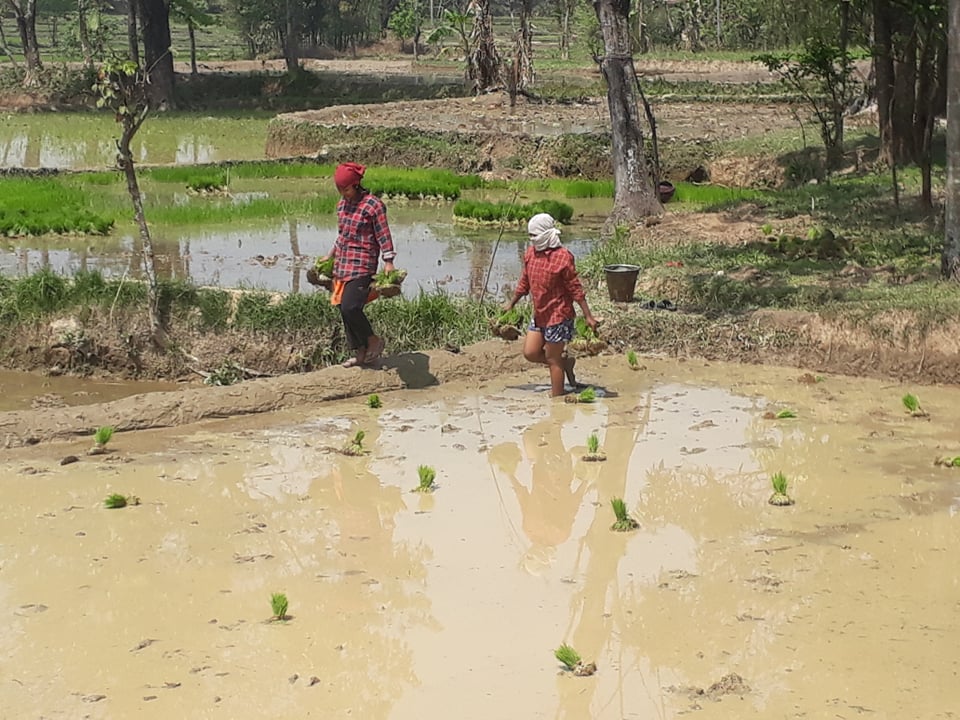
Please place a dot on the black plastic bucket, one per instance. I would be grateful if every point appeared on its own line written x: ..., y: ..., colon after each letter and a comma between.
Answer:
x: 621, y: 281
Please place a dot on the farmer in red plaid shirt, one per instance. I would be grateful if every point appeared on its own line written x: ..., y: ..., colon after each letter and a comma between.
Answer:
x: 550, y: 277
x: 363, y: 237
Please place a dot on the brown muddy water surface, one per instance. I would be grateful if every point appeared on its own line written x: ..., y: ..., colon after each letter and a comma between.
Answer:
x: 23, y: 390
x: 413, y: 606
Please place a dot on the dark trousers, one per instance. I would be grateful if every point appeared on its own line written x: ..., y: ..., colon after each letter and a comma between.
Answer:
x: 355, y: 324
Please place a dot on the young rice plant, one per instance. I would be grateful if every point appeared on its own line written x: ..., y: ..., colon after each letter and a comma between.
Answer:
x: 624, y: 522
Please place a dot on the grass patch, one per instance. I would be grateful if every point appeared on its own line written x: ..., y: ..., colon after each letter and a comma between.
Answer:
x: 225, y: 210
x: 37, y: 206
x: 488, y: 212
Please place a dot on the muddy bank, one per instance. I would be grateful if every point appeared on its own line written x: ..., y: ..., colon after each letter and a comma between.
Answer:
x: 169, y: 409
x: 886, y: 346
x: 481, y: 134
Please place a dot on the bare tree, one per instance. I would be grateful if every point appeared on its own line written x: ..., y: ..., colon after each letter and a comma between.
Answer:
x: 25, y: 14
x: 483, y: 64
x: 123, y: 86
x: 950, y: 263
x: 635, y: 195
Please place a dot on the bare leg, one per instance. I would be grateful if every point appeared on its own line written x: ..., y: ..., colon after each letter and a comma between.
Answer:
x: 533, y: 347
x: 556, y: 363
x: 568, y: 364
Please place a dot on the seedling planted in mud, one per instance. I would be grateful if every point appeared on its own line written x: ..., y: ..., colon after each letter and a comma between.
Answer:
x: 114, y: 501
x: 632, y: 360
x: 780, y: 497
x: 355, y: 447
x: 784, y: 414
x: 374, y: 401
x: 624, y: 522
x: 912, y: 405
x: 594, y: 454
x: 279, y: 605
x: 948, y: 461
x: 100, y: 439
x: 427, y: 476
x: 570, y: 659
x: 587, y: 396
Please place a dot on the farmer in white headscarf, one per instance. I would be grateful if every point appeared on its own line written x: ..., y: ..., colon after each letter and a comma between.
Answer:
x: 550, y: 277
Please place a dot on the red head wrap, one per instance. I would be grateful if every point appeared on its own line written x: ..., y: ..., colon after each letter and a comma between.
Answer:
x: 348, y: 174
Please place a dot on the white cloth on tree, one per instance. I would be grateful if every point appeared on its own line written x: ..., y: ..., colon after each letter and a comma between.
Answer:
x: 543, y: 232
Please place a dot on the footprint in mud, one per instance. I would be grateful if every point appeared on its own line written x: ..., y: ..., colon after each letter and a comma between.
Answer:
x: 765, y: 583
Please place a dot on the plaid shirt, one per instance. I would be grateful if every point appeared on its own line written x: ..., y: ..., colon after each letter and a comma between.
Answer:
x: 362, y: 237
x: 551, y: 279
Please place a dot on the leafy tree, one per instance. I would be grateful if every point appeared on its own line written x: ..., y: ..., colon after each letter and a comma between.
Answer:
x: 406, y: 21
x: 910, y: 60
x: 195, y: 15
x: 823, y: 74
x: 453, y: 23
x: 123, y: 87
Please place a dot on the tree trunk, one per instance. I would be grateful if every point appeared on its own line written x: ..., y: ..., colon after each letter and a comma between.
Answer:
x: 85, y: 48
x: 904, y: 100
x: 155, y: 22
x: 149, y: 257
x: 525, y: 47
x: 291, y: 39
x: 950, y: 261
x: 565, y: 11
x: 25, y: 13
x: 883, y: 74
x: 5, y: 47
x: 133, y: 43
x: 192, y: 33
x: 635, y: 197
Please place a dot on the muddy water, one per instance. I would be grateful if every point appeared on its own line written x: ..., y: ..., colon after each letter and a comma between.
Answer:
x: 23, y: 390
x: 843, y: 604
x: 86, y: 140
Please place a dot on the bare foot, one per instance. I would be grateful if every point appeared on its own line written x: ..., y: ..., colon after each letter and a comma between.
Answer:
x: 359, y: 358
x: 374, y: 350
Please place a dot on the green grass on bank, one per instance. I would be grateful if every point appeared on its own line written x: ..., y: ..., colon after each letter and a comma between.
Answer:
x: 427, y: 321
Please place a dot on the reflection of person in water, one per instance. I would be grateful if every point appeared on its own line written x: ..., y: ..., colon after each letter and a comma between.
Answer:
x: 550, y: 504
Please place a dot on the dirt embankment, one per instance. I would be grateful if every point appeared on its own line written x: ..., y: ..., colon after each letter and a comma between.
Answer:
x: 887, y: 346
x: 487, y: 134
x: 192, y: 404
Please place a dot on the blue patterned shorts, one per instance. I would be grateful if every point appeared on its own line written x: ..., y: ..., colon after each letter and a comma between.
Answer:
x: 560, y: 333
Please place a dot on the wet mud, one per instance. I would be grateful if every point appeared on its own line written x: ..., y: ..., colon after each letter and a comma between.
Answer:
x: 718, y: 606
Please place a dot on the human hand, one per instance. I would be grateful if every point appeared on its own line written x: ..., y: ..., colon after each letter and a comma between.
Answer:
x: 388, y: 266
x: 507, y: 306
x: 592, y: 322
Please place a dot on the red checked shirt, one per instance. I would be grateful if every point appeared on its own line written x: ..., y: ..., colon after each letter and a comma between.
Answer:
x: 550, y: 277
x: 362, y: 237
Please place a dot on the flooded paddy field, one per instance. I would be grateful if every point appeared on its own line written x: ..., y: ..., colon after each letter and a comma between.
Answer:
x: 86, y: 141
x: 718, y: 606
x: 275, y: 254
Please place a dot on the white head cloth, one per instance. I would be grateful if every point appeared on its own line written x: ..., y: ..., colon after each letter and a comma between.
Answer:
x: 543, y: 232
